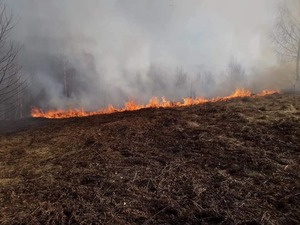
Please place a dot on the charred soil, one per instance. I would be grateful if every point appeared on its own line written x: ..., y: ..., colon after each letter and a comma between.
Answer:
x: 229, y: 162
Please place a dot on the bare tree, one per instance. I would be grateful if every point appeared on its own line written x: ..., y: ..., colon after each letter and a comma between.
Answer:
x: 11, y: 83
x: 236, y: 73
x: 181, y: 77
x: 207, y: 81
x: 286, y: 35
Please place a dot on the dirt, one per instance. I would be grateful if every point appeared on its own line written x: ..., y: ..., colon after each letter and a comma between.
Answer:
x: 230, y: 162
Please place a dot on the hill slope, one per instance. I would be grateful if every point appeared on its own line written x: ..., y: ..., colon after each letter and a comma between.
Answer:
x: 232, y: 162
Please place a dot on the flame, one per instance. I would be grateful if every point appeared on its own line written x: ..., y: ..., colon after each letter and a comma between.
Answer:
x: 154, y: 102
x: 266, y: 92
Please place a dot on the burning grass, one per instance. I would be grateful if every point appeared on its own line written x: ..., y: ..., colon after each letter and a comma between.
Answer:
x: 224, y: 162
x: 154, y: 102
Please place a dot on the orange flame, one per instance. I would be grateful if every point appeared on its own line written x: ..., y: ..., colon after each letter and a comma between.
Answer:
x: 154, y: 102
x: 266, y: 92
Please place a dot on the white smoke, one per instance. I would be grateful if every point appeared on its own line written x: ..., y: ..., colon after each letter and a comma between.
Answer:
x: 122, y: 49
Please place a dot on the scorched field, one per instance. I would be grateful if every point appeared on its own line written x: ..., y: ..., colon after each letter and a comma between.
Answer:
x: 235, y: 161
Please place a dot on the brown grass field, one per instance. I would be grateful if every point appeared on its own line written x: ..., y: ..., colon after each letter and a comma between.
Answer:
x: 223, y: 163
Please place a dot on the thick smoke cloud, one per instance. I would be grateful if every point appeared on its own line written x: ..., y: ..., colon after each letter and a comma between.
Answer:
x: 107, y: 51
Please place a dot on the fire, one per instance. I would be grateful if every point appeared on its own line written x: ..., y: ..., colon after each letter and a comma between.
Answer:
x: 154, y: 102
x: 266, y: 92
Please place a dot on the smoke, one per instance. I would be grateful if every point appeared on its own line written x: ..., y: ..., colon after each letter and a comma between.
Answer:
x: 91, y: 53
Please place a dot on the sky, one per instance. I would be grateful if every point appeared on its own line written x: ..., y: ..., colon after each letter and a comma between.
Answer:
x: 124, y: 49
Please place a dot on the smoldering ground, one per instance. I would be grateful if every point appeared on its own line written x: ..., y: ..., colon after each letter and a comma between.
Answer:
x: 88, y: 54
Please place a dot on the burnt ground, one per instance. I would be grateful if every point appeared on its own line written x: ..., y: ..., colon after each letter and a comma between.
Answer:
x: 233, y: 162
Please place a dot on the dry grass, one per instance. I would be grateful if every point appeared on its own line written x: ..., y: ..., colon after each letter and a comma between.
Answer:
x: 234, y: 162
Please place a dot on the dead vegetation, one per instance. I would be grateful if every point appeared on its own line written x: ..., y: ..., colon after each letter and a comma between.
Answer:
x: 233, y: 162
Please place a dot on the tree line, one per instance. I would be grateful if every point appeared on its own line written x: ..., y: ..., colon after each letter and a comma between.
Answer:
x: 13, y: 85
